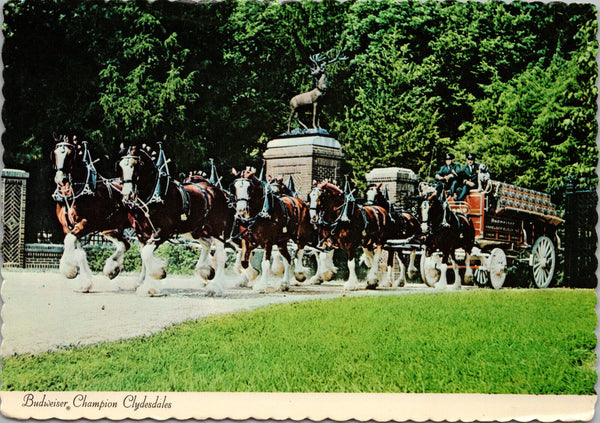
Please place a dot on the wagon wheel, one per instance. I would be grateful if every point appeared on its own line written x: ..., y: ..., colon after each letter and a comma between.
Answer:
x: 543, y: 261
x: 482, y: 276
x: 430, y: 274
x: 497, y: 267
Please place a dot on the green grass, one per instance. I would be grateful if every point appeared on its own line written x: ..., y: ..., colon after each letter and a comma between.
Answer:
x: 483, y: 341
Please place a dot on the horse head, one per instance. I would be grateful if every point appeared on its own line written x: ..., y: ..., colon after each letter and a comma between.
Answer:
x: 133, y: 165
x: 66, y: 150
x: 324, y: 198
x: 277, y: 186
x: 431, y: 211
x: 248, y: 191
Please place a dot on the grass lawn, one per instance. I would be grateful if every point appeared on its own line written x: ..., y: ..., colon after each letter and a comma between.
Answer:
x: 482, y: 341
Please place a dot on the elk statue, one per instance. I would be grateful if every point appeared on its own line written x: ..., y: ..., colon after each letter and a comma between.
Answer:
x: 304, y: 100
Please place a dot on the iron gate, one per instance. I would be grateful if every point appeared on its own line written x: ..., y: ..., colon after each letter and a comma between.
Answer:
x: 581, y: 239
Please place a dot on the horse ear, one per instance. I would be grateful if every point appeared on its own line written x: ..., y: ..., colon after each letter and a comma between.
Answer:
x: 379, y: 185
x: 55, y: 136
x: 235, y: 172
x: 314, y: 183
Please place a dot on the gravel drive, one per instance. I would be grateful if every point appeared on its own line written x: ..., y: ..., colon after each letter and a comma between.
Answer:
x: 41, y: 312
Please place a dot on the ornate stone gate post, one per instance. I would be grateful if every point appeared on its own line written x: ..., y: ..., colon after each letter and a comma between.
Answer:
x: 304, y: 158
x: 13, y: 195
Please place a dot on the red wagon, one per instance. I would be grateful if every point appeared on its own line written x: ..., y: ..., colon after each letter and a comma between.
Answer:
x: 512, y: 223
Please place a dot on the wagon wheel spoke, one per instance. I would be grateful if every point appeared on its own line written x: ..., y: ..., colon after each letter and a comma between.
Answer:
x: 543, y: 261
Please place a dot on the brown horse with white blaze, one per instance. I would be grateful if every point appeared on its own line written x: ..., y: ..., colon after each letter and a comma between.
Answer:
x: 160, y: 208
x: 458, y: 233
x: 266, y: 220
x: 86, y: 203
x: 346, y: 225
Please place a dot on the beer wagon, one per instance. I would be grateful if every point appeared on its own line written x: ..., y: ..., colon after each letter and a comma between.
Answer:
x: 511, y: 224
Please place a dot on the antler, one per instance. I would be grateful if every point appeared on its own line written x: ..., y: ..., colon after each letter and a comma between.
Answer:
x: 337, y: 58
x: 321, y: 60
x: 317, y: 59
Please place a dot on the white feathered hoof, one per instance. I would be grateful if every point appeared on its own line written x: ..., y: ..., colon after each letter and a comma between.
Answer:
x: 351, y: 286
x: 156, y: 270
x: 260, y: 287
x: 68, y: 270
x: 315, y: 280
x: 412, y: 274
x: 251, y: 273
x: 328, y: 275
x: 300, y: 276
x: 214, y: 290
x: 144, y: 291
x: 112, y: 269
x: 84, y: 288
x: 372, y: 281
x: 387, y: 283
x: 468, y: 277
x: 160, y: 274
x: 277, y: 267
x: 205, y: 272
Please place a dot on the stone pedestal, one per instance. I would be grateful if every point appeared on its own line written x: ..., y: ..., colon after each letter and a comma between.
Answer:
x: 304, y: 158
x: 400, y: 182
x: 13, y: 195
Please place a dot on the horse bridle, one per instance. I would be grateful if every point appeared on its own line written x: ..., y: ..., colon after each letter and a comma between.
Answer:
x: 62, y: 144
x: 129, y: 157
x: 263, y: 213
x: 127, y: 160
x: 315, y: 207
x: 321, y: 220
x: 87, y: 187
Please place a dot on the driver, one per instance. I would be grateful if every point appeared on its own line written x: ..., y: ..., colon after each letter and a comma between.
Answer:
x: 469, y: 175
x: 447, y: 177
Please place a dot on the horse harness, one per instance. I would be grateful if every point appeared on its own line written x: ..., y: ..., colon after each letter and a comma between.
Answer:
x: 347, y: 209
x: 87, y: 187
x: 266, y: 213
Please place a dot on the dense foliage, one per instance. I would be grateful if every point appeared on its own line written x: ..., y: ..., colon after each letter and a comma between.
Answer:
x: 514, y: 82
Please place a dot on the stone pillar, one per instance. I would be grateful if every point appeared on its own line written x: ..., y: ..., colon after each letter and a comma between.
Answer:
x: 400, y: 182
x: 13, y: 195
x: 304, y: 158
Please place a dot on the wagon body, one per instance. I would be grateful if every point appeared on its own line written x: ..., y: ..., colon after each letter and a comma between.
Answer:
x: 512, y: 223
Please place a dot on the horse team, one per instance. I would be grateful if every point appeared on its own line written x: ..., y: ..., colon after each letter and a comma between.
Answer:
x: 252, y: 214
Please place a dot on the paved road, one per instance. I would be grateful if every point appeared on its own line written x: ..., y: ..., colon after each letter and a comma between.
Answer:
x: 41, y: 311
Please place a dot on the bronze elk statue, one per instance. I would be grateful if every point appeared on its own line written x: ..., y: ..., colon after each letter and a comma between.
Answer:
x: 304, y: 100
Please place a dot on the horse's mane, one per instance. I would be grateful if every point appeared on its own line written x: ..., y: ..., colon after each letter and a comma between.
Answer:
x: 330, y: 187
x: 248, y: 173
x: 195, y: 177
x: 71, y: 140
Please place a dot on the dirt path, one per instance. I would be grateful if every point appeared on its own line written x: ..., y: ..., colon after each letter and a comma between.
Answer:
x: 41, y: 312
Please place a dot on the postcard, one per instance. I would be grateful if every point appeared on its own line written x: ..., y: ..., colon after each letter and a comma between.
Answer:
x: 361, y: 210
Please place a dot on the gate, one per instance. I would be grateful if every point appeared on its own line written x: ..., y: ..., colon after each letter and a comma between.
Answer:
x: 581, y: 239
x: 13, y: 195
